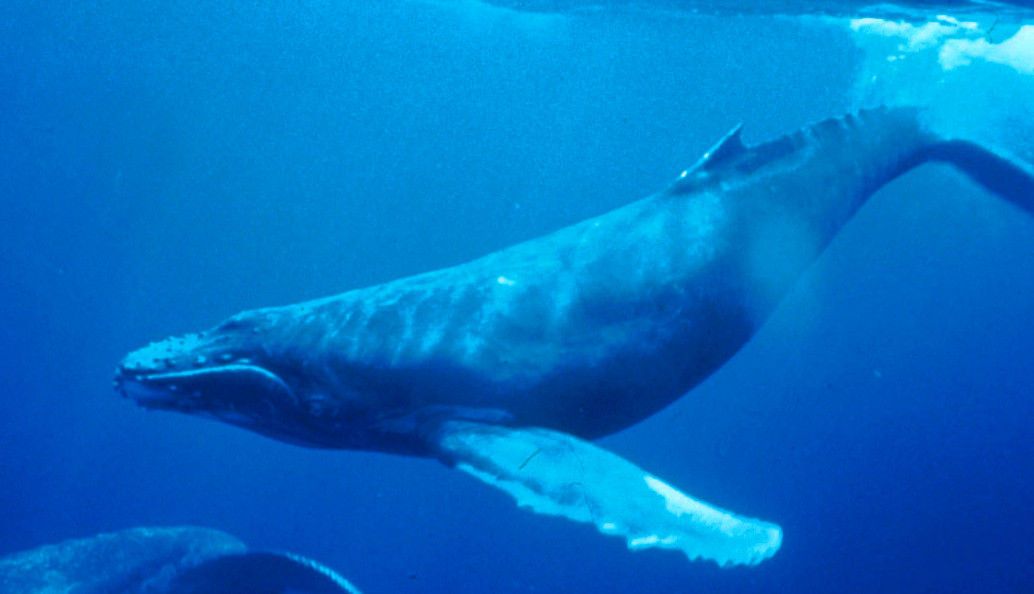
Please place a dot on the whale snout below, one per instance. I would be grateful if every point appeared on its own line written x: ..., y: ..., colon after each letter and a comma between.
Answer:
x: 145, y: 375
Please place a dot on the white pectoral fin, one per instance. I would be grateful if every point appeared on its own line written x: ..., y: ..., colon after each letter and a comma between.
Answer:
x: 557, y: 474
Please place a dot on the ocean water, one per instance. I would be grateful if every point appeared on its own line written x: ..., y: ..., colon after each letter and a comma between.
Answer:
x: 163, y: 166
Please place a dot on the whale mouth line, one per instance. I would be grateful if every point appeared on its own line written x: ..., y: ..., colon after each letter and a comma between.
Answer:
x: 188, y: 389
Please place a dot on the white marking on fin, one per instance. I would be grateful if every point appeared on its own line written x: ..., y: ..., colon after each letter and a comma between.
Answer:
x: 325, y: 571
x: 559, y: 475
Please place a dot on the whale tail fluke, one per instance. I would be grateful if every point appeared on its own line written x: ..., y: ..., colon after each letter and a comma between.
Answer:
x: 1008, y: 177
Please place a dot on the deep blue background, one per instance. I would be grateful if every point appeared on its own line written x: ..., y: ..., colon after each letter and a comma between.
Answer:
x: 162, y: 167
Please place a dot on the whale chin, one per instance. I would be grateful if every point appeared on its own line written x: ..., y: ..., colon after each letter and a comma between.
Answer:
x: 207, y: 389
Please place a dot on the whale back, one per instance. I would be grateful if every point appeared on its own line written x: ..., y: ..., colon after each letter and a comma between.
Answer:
x: 633, y: 307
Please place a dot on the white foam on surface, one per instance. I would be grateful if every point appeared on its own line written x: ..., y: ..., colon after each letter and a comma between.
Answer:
x: 1017, y: 52
x: 956, y: 43
x: 975, y: 79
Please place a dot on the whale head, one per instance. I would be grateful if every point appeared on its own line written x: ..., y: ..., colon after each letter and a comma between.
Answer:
x: 250, y: 371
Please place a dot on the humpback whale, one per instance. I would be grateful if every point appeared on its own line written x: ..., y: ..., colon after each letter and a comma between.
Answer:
x: 507, y: 366
x: 175, y: 560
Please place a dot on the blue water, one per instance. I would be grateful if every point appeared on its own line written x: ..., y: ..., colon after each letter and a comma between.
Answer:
x: 162, y: 167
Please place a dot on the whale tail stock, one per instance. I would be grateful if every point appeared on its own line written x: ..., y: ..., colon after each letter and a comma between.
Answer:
x: 1007, y: 177
x: 848, y: 159
x: 913, y: 136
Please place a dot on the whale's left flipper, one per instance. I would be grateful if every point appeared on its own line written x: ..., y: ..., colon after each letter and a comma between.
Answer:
x: 557, y: 474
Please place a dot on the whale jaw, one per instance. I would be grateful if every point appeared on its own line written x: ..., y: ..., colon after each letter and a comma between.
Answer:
x: 198, y: 389
x: 208, y: 374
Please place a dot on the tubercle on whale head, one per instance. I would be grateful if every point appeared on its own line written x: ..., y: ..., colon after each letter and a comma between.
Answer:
x: 245, y: 372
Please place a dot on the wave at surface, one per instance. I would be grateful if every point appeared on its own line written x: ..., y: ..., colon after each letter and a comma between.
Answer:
x: 1013, y: 10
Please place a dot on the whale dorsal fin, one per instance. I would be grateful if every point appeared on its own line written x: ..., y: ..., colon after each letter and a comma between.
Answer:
x: 726, y: 149
x: 557, y: 474
x: 727, y: 146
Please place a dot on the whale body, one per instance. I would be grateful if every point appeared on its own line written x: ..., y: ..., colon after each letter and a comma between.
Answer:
x: 505, y: 366
x: 164, y: 560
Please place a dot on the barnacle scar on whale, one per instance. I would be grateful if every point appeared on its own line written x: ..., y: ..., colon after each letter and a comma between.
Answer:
x: 505, y: 367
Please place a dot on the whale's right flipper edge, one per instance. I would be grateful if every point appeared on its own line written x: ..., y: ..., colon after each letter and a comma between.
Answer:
x: 556, y: 474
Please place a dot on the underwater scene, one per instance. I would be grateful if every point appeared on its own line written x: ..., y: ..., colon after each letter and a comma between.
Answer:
x: 516, y: 296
